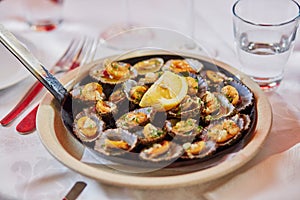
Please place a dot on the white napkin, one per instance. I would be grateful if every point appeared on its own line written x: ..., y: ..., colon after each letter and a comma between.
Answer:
x: 278, y: 177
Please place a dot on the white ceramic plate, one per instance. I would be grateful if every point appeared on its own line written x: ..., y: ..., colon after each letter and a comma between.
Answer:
x: 11, y: 70
x: 64, y: 147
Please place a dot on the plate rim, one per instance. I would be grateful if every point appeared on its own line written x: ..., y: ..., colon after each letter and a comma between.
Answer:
x: 30, y: 45
x: 47, y: 128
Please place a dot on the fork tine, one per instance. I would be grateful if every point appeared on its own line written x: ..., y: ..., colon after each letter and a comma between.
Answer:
x: 69, y: 56
x: 77, y: 59
x: 87, y: 53
x: 90, y: 53
x: 69, y: 53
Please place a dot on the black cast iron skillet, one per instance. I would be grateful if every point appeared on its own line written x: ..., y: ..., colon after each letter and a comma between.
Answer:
x: 64, y: 98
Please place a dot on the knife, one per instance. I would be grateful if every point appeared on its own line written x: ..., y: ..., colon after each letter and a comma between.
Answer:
x: 26, y: 100
x: 27, y: 124
x: 75, y: 191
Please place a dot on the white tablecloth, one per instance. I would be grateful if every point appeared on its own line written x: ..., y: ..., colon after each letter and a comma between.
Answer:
x: 28, y: 171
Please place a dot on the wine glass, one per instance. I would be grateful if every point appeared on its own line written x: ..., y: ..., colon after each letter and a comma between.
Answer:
x: 119, y: 28
x: 143, y: 16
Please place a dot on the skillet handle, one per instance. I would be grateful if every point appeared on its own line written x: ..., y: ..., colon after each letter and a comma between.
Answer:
x: 32, y: 64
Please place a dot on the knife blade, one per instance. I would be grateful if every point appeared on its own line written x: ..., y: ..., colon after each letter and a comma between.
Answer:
x: 75, y: 191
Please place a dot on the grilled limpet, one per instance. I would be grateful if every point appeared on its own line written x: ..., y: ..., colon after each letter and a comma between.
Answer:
x: 115, y: 142
x: 88, y: 126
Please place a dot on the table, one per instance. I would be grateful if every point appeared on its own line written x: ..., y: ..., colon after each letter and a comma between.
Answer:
x: 28, y: 171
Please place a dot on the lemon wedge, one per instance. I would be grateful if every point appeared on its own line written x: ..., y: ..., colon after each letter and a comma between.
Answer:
x: 166, y: 93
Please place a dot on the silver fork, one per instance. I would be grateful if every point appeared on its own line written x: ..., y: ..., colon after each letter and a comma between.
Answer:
x: 80, y: 51
x: 85, y: 53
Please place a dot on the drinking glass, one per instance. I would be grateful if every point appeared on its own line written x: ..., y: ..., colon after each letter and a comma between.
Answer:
x: 264, y: 32
x: 43, y: 15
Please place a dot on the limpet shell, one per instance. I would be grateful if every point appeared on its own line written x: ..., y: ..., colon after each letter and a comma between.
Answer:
x: 90, y: 92
x: 218, y: 130
x: 99, y: 73
x: 133, y: 91
x: 199, y: 149
x: 107, y: 110
x: 150, y: 65
x: 223, y: 108
x: 162, y: 152
x: 214, y: 77
x: 150, y: 134
x: 150, y: 78
x: 187, y: 65
x: 88, y: 126
x: 183, y: 130
x: 115, y: 142
x: 136, y: 119
x: 246, y: 97
x: 190, y: 107
x: 117, y: 96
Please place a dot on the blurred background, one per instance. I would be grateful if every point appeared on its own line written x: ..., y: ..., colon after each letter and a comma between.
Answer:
x: 195, y: 19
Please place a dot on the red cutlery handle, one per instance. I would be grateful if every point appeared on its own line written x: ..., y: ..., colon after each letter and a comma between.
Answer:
x: 29, y: 96
x: 27, y: 125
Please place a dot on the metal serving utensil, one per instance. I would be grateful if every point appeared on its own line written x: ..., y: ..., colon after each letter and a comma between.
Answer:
x: 67, y: 63
x: 32, y: 64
